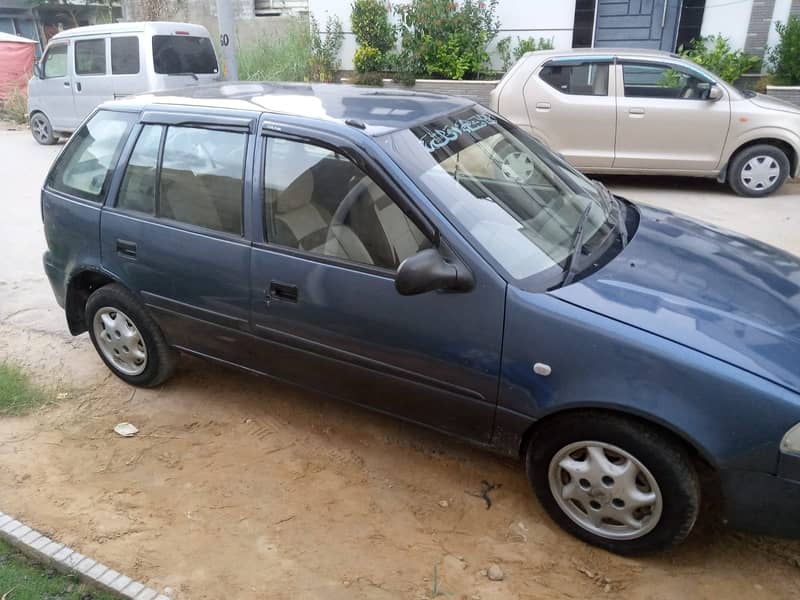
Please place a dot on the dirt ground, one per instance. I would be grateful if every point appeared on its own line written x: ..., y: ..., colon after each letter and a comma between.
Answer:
x: 240, y: 487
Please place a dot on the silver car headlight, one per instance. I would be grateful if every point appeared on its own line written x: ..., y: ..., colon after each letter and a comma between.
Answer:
x: 791, y: 440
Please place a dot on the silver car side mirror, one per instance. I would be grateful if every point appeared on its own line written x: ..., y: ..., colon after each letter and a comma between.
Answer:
x: 714, y: 92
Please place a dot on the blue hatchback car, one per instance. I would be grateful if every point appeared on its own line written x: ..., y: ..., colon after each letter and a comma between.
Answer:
x: 419, y: 255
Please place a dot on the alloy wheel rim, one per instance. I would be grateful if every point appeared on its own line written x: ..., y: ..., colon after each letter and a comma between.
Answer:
x: 517, y: 167
x: 605, y: 490
x: 119, y: 340
x: 40, y: 129
x: 760, y: 173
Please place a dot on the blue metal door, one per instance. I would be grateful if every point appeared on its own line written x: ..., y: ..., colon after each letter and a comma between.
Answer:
x: 637, y: 24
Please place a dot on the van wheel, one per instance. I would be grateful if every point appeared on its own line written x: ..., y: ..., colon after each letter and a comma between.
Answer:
x: 614, y: 482
x: 758, y: 170
x: 42, y: 130
x: 127, y: 338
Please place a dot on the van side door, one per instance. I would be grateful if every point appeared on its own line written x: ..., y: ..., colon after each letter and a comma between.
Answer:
x: 127, y: 75
x: 91, y: 84
x: 174, y: 230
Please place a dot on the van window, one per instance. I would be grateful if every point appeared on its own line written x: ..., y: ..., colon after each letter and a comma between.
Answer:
x: 90, y: 57
x: 124, y: 55
x: 201, y: 178
x: 138, y: 189
x: 55, y: 62
x: 174, y: 54
x: 85, y: 166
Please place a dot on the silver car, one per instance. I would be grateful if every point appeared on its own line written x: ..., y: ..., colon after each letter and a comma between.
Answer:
x: 648, y: 112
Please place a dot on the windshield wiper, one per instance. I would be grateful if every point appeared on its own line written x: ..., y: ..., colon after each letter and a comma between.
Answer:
x: 611, y: 200
x: 570, y: 269
x: 196, y: 78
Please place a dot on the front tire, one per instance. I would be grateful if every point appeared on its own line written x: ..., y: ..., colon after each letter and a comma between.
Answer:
x: 42, y: 130
x: 758, y: 171
x: 614, y: 482
x: 127, y: 338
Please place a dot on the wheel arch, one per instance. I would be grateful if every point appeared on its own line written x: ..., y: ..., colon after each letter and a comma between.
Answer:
x: 784, y: 145
x: 80, y: 286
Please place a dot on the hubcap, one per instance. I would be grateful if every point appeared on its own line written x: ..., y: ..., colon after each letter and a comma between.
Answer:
x: 120, y: 341
x: 605, y: 490
x: 517, y: 167
x: 760, y: 173
x: 40, y: 129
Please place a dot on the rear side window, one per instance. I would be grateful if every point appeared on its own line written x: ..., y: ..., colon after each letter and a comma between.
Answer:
x: 84, y: 168
x: 55, y: 62
x: 201, y: 178
x: 138, y: 189
x: 175, y: 54
x: 584, y: 79
x: 90, y: 57
x: 124, y: 55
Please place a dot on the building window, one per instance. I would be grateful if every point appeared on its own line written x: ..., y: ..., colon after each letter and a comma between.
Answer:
x: 583, y: 32
x: 276, y: 8
x: 691, y: 21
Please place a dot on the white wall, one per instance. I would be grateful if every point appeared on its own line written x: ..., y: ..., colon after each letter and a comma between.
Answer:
x: 729, y: 18
x: 518, y: 18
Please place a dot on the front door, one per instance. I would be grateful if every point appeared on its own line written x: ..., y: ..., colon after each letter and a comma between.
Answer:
x: 175, y: 233
x: 90, y: 82
x: 637, y: 24
x: 325, y: 305
x: 665, y: 120
x: 52, y: 93
x: 573, y: 109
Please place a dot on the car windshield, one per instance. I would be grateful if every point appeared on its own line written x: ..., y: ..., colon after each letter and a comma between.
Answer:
x: 529, y: 211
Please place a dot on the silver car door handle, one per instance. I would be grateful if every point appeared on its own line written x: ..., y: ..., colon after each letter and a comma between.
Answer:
x: 542, y: 106
x: 636, y: 111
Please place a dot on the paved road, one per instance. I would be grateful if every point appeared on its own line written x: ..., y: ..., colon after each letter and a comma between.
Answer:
x: 26, y: 299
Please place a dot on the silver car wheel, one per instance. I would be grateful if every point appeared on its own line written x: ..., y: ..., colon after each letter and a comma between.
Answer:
x: 605, y: 490
x: 40, y: 128
x: 517, y: 167
x: 760, y: 173
x: 119, y: 340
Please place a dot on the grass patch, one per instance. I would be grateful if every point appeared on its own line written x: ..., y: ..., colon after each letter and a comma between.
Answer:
x: 15, y: 105
x: 279, y: 58
x: 23, y: 579
x: 18, y: 394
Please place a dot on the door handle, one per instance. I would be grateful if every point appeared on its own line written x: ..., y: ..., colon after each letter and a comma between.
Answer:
x: 78, y: 85
x: 126, y: 248
x: 542, y: 106
x: 282, y: 291
x: 67, y: 84
x: 636, y: 111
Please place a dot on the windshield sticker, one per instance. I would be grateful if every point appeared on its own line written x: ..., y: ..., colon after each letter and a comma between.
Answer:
x: 439, y: 138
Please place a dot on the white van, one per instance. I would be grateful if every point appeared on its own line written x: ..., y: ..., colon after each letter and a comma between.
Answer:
x: 86, y: 66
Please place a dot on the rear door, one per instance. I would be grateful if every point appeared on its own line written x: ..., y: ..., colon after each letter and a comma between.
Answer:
x: 175, y: 232
x: 91, y: 84
x: 572, y: 109
x: 665, y: 120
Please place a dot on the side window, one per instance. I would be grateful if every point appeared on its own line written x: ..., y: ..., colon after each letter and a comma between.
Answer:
x: 85, y: 166
x: 138, y: 189
x: 124, y: 55
x: 54, y: 63
x: 582, y: 79
x: 90, y: 57
x: 662, y: 81
x: 201, y: 178
x: 318, y: 201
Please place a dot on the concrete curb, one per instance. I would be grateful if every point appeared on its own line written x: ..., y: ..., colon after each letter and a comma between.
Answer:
x: 65, y: 559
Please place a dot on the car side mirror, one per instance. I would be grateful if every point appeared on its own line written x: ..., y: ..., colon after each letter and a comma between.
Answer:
x: 714, y: 92
x: 427, y: 271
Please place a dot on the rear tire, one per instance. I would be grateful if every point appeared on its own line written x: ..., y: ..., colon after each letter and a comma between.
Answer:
x: 127, y: 339
x: 42, y: 130
x: 758, y: 171
x: 614, y: 482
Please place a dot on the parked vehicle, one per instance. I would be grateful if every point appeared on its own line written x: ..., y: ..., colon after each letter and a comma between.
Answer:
x: 369, y: 245
x: 86, y: 66
x: 649, y: 112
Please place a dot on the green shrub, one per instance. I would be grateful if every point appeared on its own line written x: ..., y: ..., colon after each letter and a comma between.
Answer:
x: 370, y: 21
x: 785, y: 57
x: 715, y: 54
x: 368, y: 59
x: 449, y: 39
x: 532, y: 45
x: 372, y: 79
x: 15, y: 106
x: 324, y: 61
x: 285, y: 58
x: 405, y: 66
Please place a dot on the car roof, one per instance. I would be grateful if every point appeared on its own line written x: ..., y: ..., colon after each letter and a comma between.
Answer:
x: 375, y: 110
x: 642, y: 52
x: 153, y: 27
